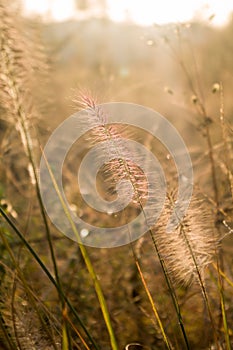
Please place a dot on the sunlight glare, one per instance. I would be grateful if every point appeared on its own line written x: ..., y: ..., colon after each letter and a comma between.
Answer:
x: 144, y: 12
x: 58, y: 10
x: 148, y: 12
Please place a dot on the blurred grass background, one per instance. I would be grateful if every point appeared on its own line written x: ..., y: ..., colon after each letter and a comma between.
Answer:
x: 169, y: 68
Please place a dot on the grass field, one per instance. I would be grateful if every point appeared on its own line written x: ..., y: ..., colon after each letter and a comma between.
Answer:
x: 162, y: 291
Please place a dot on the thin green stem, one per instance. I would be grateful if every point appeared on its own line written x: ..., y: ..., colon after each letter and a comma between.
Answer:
x: 46, y: 271
x: 88, y: 263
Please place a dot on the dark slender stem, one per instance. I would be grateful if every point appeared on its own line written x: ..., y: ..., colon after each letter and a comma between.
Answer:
x: 44, y: 268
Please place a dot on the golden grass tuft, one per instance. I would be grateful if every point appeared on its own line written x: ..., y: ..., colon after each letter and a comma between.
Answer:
x: 192, y: 246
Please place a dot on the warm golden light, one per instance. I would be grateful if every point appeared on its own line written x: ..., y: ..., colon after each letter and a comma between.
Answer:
x: 144, y: 12
x: 148, y: 12
x: 58, y: 10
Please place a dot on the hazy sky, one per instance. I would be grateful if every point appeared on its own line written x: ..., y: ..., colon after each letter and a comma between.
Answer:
x: 140, y: 11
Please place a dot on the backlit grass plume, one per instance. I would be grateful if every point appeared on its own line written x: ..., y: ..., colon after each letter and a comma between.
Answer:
x: 124, y: 165
x: 184, y: 253
x: 22, y: 62
x: 189, y: 248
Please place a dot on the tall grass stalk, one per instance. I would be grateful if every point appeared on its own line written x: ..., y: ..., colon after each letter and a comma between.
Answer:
x: 218, y: 255
x: 121, y: 169
x: 172, y: 291
x: 87, y: 261
x: 227, y: 279
x: 207, y: 122
x: 155, y: 311
x: 46, y: 271
x: 29, y: 293
x: 225, y: 138
x: 7, y: 337
x: 15, y: 84
x: 150, y: 298
x: 220, y: 265
x: 66, y: 316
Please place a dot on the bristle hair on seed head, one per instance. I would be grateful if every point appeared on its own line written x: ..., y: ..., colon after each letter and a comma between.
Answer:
x: 191, y: 246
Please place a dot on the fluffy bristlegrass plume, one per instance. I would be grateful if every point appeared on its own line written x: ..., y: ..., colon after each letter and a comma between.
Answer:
x: 192, y: 245
x: 123, y: 166
x: 189, y: 248
x: 22, y: 67
x: 22, y: 64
